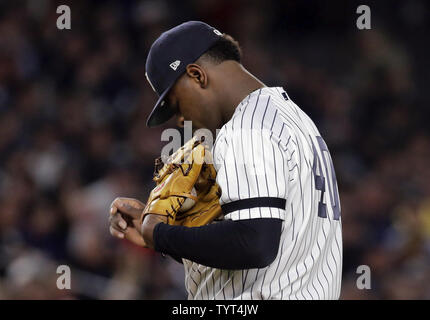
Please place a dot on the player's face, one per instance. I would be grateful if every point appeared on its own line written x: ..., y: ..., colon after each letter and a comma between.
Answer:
x: 194, y: 103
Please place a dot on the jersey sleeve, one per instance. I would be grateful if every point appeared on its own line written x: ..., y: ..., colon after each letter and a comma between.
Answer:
x: 252, y: 173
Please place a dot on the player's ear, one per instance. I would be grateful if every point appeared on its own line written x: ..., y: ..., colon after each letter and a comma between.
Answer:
x: 197, y: 74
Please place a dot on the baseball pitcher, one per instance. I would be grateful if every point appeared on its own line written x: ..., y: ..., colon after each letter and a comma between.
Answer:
x: 256, y: 216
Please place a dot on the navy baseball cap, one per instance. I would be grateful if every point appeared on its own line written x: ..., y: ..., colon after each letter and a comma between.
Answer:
x: 168, y: 57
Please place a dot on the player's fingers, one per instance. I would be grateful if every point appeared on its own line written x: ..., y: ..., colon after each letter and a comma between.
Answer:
x: 116, y: 233
x: 113, y: 209
x: 117, y: 222
x: 131, y: 207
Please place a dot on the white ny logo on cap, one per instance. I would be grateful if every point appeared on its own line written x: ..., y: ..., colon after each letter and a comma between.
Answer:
x: 175, y: 65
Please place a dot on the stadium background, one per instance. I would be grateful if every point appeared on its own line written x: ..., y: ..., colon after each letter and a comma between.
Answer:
x: 73, y: 105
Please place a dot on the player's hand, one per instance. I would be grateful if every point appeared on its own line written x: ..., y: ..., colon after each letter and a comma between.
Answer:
x: 124, y: 220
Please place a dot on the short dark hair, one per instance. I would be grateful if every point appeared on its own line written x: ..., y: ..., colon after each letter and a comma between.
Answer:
x: 226, y: 48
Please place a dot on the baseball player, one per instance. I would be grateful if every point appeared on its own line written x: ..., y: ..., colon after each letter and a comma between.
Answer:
x: 280, y: 236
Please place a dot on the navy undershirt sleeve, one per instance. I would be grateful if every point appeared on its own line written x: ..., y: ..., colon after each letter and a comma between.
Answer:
x: 242, y: 244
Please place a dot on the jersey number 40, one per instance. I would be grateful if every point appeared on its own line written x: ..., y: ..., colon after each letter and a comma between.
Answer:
x: 322, y: 175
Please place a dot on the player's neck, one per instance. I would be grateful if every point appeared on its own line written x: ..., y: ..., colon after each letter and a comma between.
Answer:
x: 238, y: 84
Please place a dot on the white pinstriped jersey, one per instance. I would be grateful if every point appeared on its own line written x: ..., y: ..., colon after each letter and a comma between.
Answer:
x: 271, y: 148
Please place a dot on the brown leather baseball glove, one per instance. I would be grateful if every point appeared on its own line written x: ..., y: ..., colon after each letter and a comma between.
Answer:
x: 186, y: 192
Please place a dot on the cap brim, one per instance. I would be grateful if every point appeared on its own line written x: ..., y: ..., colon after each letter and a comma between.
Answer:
x: 161, y: 112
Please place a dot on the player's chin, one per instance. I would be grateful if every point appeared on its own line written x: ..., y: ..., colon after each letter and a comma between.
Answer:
x: 197, y: 124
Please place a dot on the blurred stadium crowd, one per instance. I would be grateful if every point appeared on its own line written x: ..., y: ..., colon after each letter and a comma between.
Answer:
x: 73, y: 105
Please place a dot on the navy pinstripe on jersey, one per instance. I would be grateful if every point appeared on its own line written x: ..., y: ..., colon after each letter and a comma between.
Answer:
x: 270, y: 148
